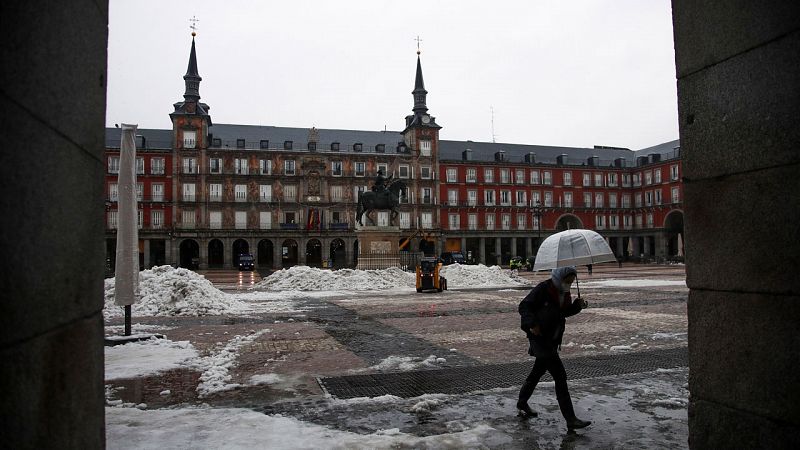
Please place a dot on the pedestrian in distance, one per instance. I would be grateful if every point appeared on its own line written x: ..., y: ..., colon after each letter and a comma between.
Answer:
x: 589, y: 268
x: 543, y: 314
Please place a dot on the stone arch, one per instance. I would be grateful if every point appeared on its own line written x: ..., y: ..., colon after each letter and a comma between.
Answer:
x: 239, y: 247
x: 265, y: 254
x: 314, y: 253
x: 189, y: 254
x: 338, y: 254
x: 568, y: 222
x: 216, y: 253
x: 289, y: 253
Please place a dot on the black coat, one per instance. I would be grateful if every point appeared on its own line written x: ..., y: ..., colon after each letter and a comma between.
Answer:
x: 541, y: 307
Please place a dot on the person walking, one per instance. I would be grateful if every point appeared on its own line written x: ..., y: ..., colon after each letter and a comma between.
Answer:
x: 542, y: 316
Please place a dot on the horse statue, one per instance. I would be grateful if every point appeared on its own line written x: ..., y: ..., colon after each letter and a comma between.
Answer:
x: 386, y: 199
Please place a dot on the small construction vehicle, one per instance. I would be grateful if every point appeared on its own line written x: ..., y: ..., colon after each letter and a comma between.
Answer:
x: 428, y: 277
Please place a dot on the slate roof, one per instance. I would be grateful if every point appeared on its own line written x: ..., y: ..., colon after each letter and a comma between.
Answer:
x: 448, y: 150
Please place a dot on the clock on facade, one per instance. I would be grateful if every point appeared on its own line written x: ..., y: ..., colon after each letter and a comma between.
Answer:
x: 426, y: 118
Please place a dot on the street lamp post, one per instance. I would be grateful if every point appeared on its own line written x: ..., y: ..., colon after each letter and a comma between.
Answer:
x: 537, y: 211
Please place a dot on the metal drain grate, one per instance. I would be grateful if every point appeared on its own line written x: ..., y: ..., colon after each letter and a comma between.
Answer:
x: 490, y: 376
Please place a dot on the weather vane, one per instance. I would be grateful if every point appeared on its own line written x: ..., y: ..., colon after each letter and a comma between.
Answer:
x: 418, y: 41
x: 193, y: 26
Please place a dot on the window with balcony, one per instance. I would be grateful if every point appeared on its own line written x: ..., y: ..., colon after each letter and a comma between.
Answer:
x: 455, y: 221
x: 637, y: 179
x: 521, y: 221
x: 639, y: 221
x: 189, y: 139
x: 613, y: 222
x: 472, y: 222
x: 215, y: 220
x: 403, y: 171
x: 648, y: 178
x: 427, y: 196
x: 288, y: 167
x: 139, y: 192
x: 383, y: 218
x: 215, y: 192
x: 425, y: 147
x: 190, y: 165
x: 567, y: 178
x: 337, y: 193
x: 612, y: 200
x: 113, y: 192
x: 535, y: 177
x: 188, y: 192
x: 113, y: 164
x: 452, y: 197
x: 587, y: 179
x: 240, y: 193
x: 472, y: 198
x: 452, y: 175
x: 587, y: 199
x: 112, y: 219
x: 536, y: 198
x: 535, y: 222
x: 676, y: 195
x: 383, y: 167
x: 156, y: 219
x: 488, y: 198
x: 265, y: 166
x: 522, y: 198
x: 240, y: 166
x: 673, y: 172
x: 648, y: 198
x: 598, y: 180
x: 613, y: 179
x: 290, y: 217
x: 505, y: 221
x: 357, y: 191
x: 599, y: 222
x: 598, y: 200
x: 139, y: 166
x: 519, y: 176
x: 472, y: 175
x: 637, y: 199
x: 426, y: 220
x: 157, y: 192
x: 505, y: 198
x: 568, y: 199
x: 657, y: 175
x: 360, y: 169
x: 626, y: 200
x: 336, y: 168
x: 241, y: 220
x: 658, y: 198
x: 626, y: 180
x: 505, y: 176
x: 490, y: 221
x: 265, y: 220
x: 548, y: 199
x: 290, y: 193
x: 627, y: 222
x: 649, y: 220
x: 547, y: 177
x: 139, y: 219
x: 488, y: 175
x: 215, y: 165
x: 265, y: 193
x: 157, y: 166
x: 405, y: 220
x: 188, y: 218
x: 405, y: 196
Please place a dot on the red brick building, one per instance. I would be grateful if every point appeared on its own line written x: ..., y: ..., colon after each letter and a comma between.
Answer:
x: 210, y: 192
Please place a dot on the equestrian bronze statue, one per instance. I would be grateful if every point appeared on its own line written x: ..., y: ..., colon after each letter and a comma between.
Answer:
x: 387, y: 198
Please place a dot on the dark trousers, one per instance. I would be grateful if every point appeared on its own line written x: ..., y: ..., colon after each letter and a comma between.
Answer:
x: 553, y: 365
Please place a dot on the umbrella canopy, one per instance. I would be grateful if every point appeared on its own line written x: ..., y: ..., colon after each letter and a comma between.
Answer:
x: 573, y: 248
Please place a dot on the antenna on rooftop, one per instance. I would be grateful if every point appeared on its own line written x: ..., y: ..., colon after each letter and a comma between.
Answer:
x: 494, y: 136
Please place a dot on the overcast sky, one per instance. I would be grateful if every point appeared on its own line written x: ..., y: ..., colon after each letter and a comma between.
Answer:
x: 566, y: 73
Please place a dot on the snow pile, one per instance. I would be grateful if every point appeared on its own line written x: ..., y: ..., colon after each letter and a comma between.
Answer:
x: 303, y: 278
x: 460, y: 276
x: 407, y: 363
x: 148, y: 357
x: 167, y: 291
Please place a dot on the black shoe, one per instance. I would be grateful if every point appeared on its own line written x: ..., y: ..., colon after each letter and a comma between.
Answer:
x: 525, y: 410
x: 575, y: 423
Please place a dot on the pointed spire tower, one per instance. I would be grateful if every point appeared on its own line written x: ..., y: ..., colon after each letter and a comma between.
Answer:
x: 190, y: 119
x: 422, y: 131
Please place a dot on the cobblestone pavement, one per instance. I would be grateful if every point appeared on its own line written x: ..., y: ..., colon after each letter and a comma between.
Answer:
x: 451, y: 331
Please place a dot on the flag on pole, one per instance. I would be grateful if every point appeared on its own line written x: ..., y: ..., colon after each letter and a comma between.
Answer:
x: 127, y: 265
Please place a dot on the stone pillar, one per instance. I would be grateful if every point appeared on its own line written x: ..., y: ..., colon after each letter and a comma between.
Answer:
x: 737, y: 101
x: 528, y: 247
x: 203, y: 244
x: 513, y: 247
x: 498, y: 250
x: 227, y: 254
x: 301, y: 250
x: 464, y: 246
x: 169, y: 256
x: 51, y: 327
x: 482, y: 251
x: 277, y: 254
x: 146, y: 254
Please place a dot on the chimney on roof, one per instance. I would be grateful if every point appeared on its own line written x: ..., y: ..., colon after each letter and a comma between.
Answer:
x: 466, y: 155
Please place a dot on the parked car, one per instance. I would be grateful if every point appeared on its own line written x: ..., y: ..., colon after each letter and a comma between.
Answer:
x: 246, y: 262
x: 453, y: 257
x: 519, y: 263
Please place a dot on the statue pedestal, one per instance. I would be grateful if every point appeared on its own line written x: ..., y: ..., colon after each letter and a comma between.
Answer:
x: 378, y: 247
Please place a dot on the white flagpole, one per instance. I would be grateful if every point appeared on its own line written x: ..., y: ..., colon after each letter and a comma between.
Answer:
x: 127, y: 265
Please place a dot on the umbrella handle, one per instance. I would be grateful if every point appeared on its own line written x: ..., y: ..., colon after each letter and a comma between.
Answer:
x: 578, y: 285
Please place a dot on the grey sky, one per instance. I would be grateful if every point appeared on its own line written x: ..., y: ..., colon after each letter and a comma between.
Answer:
x: 565, y: 73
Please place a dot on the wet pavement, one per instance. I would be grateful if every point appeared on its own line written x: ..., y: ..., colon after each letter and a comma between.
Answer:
x: 462, y: 352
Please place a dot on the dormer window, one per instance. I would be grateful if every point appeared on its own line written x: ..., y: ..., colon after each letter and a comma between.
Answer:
x: 357, y: 147
x: 264, y: 144
x: 189, y: 139
x: 334, y: 146
x: 312, y: 146
x: 216, y: 142
x: 240, y: 143
x: 287, y: 145
x: 380, y: 148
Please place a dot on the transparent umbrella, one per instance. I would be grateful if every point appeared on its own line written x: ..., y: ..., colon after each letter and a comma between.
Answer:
x: 573, y: 248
